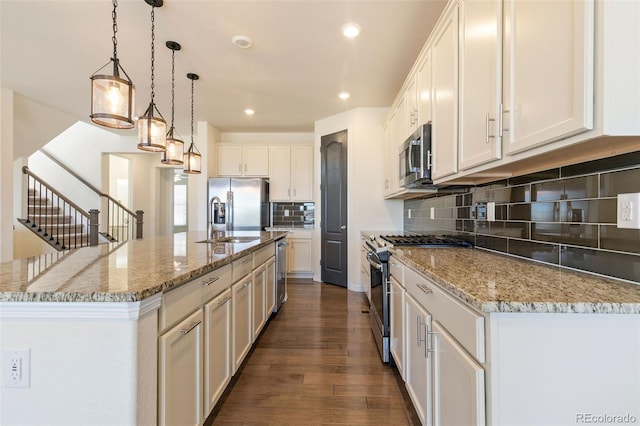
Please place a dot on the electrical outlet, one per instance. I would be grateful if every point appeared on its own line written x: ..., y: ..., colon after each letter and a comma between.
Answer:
x: 286, y: 213
x: 17, y: 368
x: 408, y: 213
x: 432, y: 212
x: 491, y: 211
x: 629, y: 211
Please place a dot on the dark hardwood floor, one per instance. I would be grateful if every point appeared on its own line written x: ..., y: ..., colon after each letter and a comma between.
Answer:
x: 316, y: 363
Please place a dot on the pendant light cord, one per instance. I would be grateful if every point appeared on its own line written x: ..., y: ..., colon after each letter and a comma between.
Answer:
x: 192, y: 81
x: 173, y: 84
x: 153, y: 49
x: 114, y: 17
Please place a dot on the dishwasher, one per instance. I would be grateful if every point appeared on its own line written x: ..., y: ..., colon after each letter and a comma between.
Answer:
x: 281, y: 273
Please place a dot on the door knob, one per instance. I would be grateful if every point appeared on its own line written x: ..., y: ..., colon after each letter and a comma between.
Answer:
x: 343, y: 227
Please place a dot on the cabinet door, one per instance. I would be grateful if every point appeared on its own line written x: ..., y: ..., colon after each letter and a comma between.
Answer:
x: 229, y: 160
x: 480, y: 81
x: 279, y: 173
x: 391, y: 143
x: 401, y: 114
x: 445, y: 97
x: 418, y: 368
x: 259, y: 317
x: 458, y: 382
x: 411, y: 104
x: 242, y: 324
x: 255, y: 161
x: 299, y: 255
x: 302, y: 173
x: 424, y: 90
x: 396, y: 337
x: 180, y: 373
x: 217, y: 348
x: 548, y: 71
x: 270, y: 286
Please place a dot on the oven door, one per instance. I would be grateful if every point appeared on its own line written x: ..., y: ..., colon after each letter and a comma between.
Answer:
x: 379, y: 308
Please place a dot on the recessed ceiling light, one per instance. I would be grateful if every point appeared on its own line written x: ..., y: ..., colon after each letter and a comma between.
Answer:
x: 351, y: 30
x: 242, y: 41
x: 344, y: 96
x: 249, y: 111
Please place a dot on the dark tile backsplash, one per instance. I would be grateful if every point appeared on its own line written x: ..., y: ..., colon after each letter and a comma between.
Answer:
x: 564, y: 216
x: 293, y: 215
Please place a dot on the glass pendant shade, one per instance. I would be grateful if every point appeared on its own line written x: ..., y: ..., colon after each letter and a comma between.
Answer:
x: 174, y: 154
x: 192, y: 160
x: 112, y: 97
x: 152, y: 132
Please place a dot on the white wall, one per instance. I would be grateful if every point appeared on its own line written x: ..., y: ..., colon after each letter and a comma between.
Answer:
x: 367, y: 209
x: 267, y: 138
x: 6, y: 175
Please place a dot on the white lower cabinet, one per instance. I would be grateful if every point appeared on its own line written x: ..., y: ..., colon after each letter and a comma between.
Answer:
x: 259, y: 302
x: 242, y: 324
x: 218, y: 367
x: 396, y: 337
x: 458, y: 382
x: 180, y: 373
x: 418, y: 378
x: 300, y: 253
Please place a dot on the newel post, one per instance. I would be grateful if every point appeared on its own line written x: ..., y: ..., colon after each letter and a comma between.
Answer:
x: 139, y: 222
x: 93, y: 227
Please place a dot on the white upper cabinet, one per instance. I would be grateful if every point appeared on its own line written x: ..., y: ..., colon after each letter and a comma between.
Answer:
x: 391, y: 173
x: 444, y: 53
x: 424, y: 89
x: 250, y: 161
x: 291, y: 173
x: 480, y: 82
x: 548, y: 71
x: 411, y: 105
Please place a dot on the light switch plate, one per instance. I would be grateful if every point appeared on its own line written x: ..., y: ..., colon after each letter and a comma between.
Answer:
x: 629, y: 211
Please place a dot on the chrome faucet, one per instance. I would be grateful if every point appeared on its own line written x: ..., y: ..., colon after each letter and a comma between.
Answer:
x: 211, y: 215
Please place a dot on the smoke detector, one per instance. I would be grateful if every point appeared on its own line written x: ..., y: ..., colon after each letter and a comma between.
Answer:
x: 241, y: 41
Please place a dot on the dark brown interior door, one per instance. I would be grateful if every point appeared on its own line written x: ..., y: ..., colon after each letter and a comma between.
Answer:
x: 333, y: 224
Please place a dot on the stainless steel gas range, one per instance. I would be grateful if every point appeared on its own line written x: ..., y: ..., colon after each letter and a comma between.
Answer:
x: 378, y: 256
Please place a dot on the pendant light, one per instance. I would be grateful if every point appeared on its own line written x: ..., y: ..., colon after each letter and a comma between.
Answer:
x: 152, y: 130
x: 111, y: 95
x: 175, y: 147
x: 192, y: 158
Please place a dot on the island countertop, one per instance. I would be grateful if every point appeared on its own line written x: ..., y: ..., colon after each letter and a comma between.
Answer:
x: 121, y: 272
x: 493, y: 282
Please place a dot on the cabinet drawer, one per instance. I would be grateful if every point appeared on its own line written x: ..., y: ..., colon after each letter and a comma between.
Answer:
x: 180, y: 302
x: 464, y: 324
x: 262, y: 255
x: 242, y: 267
x: 215, y: 282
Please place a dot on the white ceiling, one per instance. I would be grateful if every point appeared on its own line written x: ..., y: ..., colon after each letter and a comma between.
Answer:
x: 291, y: 76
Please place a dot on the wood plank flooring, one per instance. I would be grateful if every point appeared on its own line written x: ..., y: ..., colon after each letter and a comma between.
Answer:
x: 316, y: 363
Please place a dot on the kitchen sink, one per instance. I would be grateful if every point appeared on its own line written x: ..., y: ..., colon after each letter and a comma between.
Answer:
x: 230, y: 240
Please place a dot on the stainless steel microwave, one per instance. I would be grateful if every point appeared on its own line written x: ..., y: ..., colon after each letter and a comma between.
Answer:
x: 415, y: 159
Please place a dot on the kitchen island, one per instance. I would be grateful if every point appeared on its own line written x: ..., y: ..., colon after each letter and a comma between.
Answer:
x: 499, y: 340
x: 91, y: 319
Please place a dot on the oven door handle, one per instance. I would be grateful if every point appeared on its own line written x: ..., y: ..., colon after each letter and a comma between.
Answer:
x: 372, y: 262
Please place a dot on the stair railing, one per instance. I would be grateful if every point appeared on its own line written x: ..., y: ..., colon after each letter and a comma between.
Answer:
x: 50, y: 220
x: 120, y: 223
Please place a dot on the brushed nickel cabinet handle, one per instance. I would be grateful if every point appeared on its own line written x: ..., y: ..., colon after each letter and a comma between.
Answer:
x: 211, y: 281
x: 191, y: 326
x: 424, y: 288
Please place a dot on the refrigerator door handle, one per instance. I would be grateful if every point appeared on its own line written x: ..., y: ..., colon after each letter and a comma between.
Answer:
x: 230, y: 210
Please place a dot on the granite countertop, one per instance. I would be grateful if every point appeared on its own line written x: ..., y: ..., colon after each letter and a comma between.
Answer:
x: 121, y: 272
x: 497, y: 283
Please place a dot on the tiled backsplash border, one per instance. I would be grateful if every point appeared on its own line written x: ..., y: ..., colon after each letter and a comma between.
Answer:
x: 564, y: 216
x: 294, y: 215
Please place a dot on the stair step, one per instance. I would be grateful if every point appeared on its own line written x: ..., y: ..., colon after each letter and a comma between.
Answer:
x: 39, y: 210
x: 63, y: 228
x: 38, y: 201
x: 49, y: 219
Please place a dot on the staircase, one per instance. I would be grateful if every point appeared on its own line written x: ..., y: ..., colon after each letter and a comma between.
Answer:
x: 64, y: 225
x: 56, y: 221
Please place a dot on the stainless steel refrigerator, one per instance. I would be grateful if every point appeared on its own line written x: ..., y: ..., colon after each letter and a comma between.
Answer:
x: 245, y: 203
